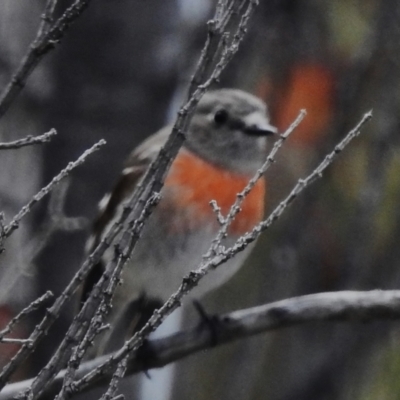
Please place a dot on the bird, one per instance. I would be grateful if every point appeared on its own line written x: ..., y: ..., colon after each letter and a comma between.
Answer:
x: 226, y: 142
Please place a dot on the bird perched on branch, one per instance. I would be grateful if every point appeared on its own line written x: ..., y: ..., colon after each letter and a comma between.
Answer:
x: 225, y: 145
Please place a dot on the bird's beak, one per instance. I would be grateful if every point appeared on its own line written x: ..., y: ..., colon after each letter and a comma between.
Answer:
x: 264, y: 129
x: 256, y: 124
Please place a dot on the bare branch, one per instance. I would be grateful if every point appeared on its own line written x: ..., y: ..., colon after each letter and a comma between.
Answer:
x: 56, y: 220
x: 2, y: 232
x: 243, y: 242
x: 10, y: 228
x: 47, y: 18
x: 26, y: 311
x: 45, y: 40
x: 235, y: 208
x: 217, y: 211
x: 117, y: 376
x: 79, y: 326
x: 53, y: 312
x: 216, y: 39
x: 29, y: 140
x: 345, y: 306
x: 119, y: 397
x: 16, y: 341
x: 95, y: 327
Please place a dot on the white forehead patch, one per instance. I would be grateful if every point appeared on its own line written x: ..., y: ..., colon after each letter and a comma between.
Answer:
x: 260, y: 121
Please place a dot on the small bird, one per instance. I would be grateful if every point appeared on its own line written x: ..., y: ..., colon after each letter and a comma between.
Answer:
x: 225, y: 144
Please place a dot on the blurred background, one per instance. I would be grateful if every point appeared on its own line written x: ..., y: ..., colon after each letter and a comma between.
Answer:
x: 120, y: 74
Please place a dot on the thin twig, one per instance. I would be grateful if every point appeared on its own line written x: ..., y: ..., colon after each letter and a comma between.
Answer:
x: 13, y: 225
x: 217, y: 211
x: 117, y: 376
x: 47, y: 18
x: 2, y: 233
x: 26, y: 311
x: 95, y: 327
x: 216, y: 36
x: 28, y: 141
x: 79, y: 326
x: 119, y: 397
x: 235, y: 208
x: 298, y: 188
x: 53, y: 312
x: 56, y: 220
x: 45, y: 41
x: 16, y: 341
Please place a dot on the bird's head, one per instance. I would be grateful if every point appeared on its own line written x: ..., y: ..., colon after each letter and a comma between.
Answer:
x: 230, y: 129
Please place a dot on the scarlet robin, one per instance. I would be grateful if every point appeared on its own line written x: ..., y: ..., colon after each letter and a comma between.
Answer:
x: 225, y: 145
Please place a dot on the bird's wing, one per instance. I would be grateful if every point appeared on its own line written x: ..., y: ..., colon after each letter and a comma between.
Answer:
x: 111, y: 204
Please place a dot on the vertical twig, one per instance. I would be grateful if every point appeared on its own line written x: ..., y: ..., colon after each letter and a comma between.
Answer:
x: 45, y: 41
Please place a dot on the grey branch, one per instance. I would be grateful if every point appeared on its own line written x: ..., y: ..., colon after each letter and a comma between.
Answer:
x: 79, y: 326
x: 10, y: 228
x: 243, y: 242
x: 96, y: 322
x: 235, y: 208
x: 47, y: 18
x: 56, y: 220
x: 26, y: 311
x: 46, y: 39
x: 345, y: 306
x: 28, y: 141
x: 53, y: 312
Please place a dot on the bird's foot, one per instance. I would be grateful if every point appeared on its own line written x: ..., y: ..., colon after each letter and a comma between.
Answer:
x: 211, y: 322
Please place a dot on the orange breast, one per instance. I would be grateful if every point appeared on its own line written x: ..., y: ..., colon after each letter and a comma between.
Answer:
x: 194, y: 183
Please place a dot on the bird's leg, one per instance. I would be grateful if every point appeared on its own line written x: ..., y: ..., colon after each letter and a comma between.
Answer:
x: 211, y: 322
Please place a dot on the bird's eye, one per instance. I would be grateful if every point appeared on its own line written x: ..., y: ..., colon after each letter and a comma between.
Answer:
x: 221, y: 117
